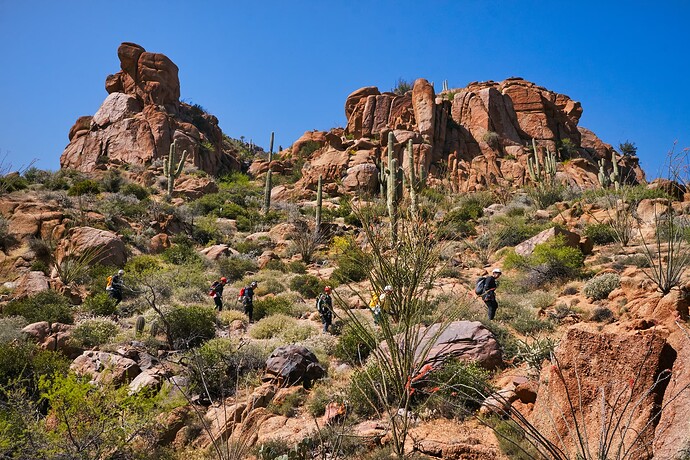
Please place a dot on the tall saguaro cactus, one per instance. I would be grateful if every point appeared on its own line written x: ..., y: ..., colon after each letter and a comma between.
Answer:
x: 267, y: 190
x: 613, y: 177
x: 319, y: 193
x: 391, y: 187
x: 170, y: 170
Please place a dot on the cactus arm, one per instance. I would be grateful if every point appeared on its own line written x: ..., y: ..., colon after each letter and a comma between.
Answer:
x: 319, y: 193
x: 392, y: 187
x: 267, y: 189
x: 413, y: 179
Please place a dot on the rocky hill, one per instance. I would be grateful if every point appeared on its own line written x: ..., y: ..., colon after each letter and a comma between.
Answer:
x: 141, y: 117
x: 468, y: 138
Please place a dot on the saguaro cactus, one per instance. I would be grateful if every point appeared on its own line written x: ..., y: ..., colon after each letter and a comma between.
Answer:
x: 392, y: 187
x: 613, y: 177
x: 615, y: 174
x: 170, y: 170
x: 413, y: 182
x: 139, y: 325
x: 538, y: 172
x: 267, y: 190
x: 319, y: 193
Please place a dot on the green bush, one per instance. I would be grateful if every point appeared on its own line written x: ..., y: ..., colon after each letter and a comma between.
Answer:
x: 93, y: 332
x: 227, y: 317
x: 272, y: 305
x: 135, y: 189
x: 21, y: 360
x: 11, y: 329
x: 601, y: 286
x: 287, y: 407
x: 562, y: 261
x: 600, y: 233
x: 307, y: 285
x: 140, y: 264
x: 181, y: 254
x: 601, y: 315
x: 351, y: 349
x: 521, y: 318
x: 47, y: 305
x: 217, y: 365
x: 283, y: 327
x: 191, y: 326
x: 362, y: 393
x: 297, y: 266
x: 236, y: 267
x: 455, y: 389
x: 100, y: 304
x: 513, y: 230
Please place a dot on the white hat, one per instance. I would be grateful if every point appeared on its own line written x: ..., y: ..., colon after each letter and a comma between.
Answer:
x: 121, y: 272
x: 497, y: 270
x: 388, y: 288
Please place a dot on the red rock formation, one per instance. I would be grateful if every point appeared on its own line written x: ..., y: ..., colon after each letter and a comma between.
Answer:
x: 475, y: 136
x: 141, y: 117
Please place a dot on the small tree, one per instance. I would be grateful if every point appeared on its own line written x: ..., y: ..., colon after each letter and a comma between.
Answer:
x: 627, y: 148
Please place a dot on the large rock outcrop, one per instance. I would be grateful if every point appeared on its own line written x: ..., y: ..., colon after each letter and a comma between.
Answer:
x: 471, y: 138
x: 141, y: 117
x: 606, y: 381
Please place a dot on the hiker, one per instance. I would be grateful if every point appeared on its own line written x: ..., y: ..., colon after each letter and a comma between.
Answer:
x: 324, y: 305
x: 115, y: 285
x: 378, y: 303
x: 247, y: 298
x: 216, y: 292
x: 489, y: 292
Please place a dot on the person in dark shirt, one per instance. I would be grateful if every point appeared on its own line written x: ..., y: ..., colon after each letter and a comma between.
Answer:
x: 115, y: 287
x: 217, y: 292
x: 324, y: 304
x: 247, y: 299
x: 489, y: 295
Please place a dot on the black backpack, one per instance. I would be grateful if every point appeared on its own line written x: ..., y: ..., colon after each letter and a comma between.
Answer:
x: 319, y: 304
x: 479, y: 287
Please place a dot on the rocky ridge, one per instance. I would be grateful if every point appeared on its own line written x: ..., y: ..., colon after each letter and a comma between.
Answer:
x: 468, y: 138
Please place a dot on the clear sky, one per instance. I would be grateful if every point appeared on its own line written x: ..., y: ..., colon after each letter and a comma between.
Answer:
x: 287, y: 66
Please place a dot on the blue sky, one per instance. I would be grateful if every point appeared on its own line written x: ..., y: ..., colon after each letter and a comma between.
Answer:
x: 287, y: 67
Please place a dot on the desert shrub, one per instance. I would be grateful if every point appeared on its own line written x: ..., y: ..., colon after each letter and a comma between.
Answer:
x: 100, y: 304
x: 235, y: 267
x: 570, y: 290
x: 512, y: 230
x: 272, y: 305
x: 351, y: 349
x: 555, y: 260
x: 319, y: 398
x: 140, y: 264
x: 600, y: 233
x: 250, y: 248
x: 216, y: 366
x: 276, y: 265
x: 12, y: 182
x: 506, y: 339
x: 456, y: 225
x: 601, y: 315
x: 600, y: 286
x: 137, y: 190
x: 226, y: 317
x: 297, y: 266
x: 83, y: 187
x: 23, y: 361
x: 349, y: 267
x: 181, y: 254
x: 362, y: 393
x: 191, y: 326
x: 522, y: 319
x: 281, y: 326
x: 637, y: 260
x: 93, y: 332
x: 541, y: 300
x: 287, y: 407
x: 11, y: 328
x: 534, y: 352
x: 453, y: 388
x: 307, y: 285
x: 47, y: 305
x: 269, y: 283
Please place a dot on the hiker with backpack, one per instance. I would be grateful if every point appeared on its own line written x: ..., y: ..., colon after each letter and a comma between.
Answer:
x: 114, y: 286
x: 378, y: 303
x: 324, y: 305
x: 246, y: 296
x: 216, y: 291
x: 486, y: 288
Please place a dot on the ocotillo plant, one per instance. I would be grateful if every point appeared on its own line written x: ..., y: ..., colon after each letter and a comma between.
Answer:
x: 319, y: 192
x: 392, y: 187
x: 267, y: 191
x: 170, y: 170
